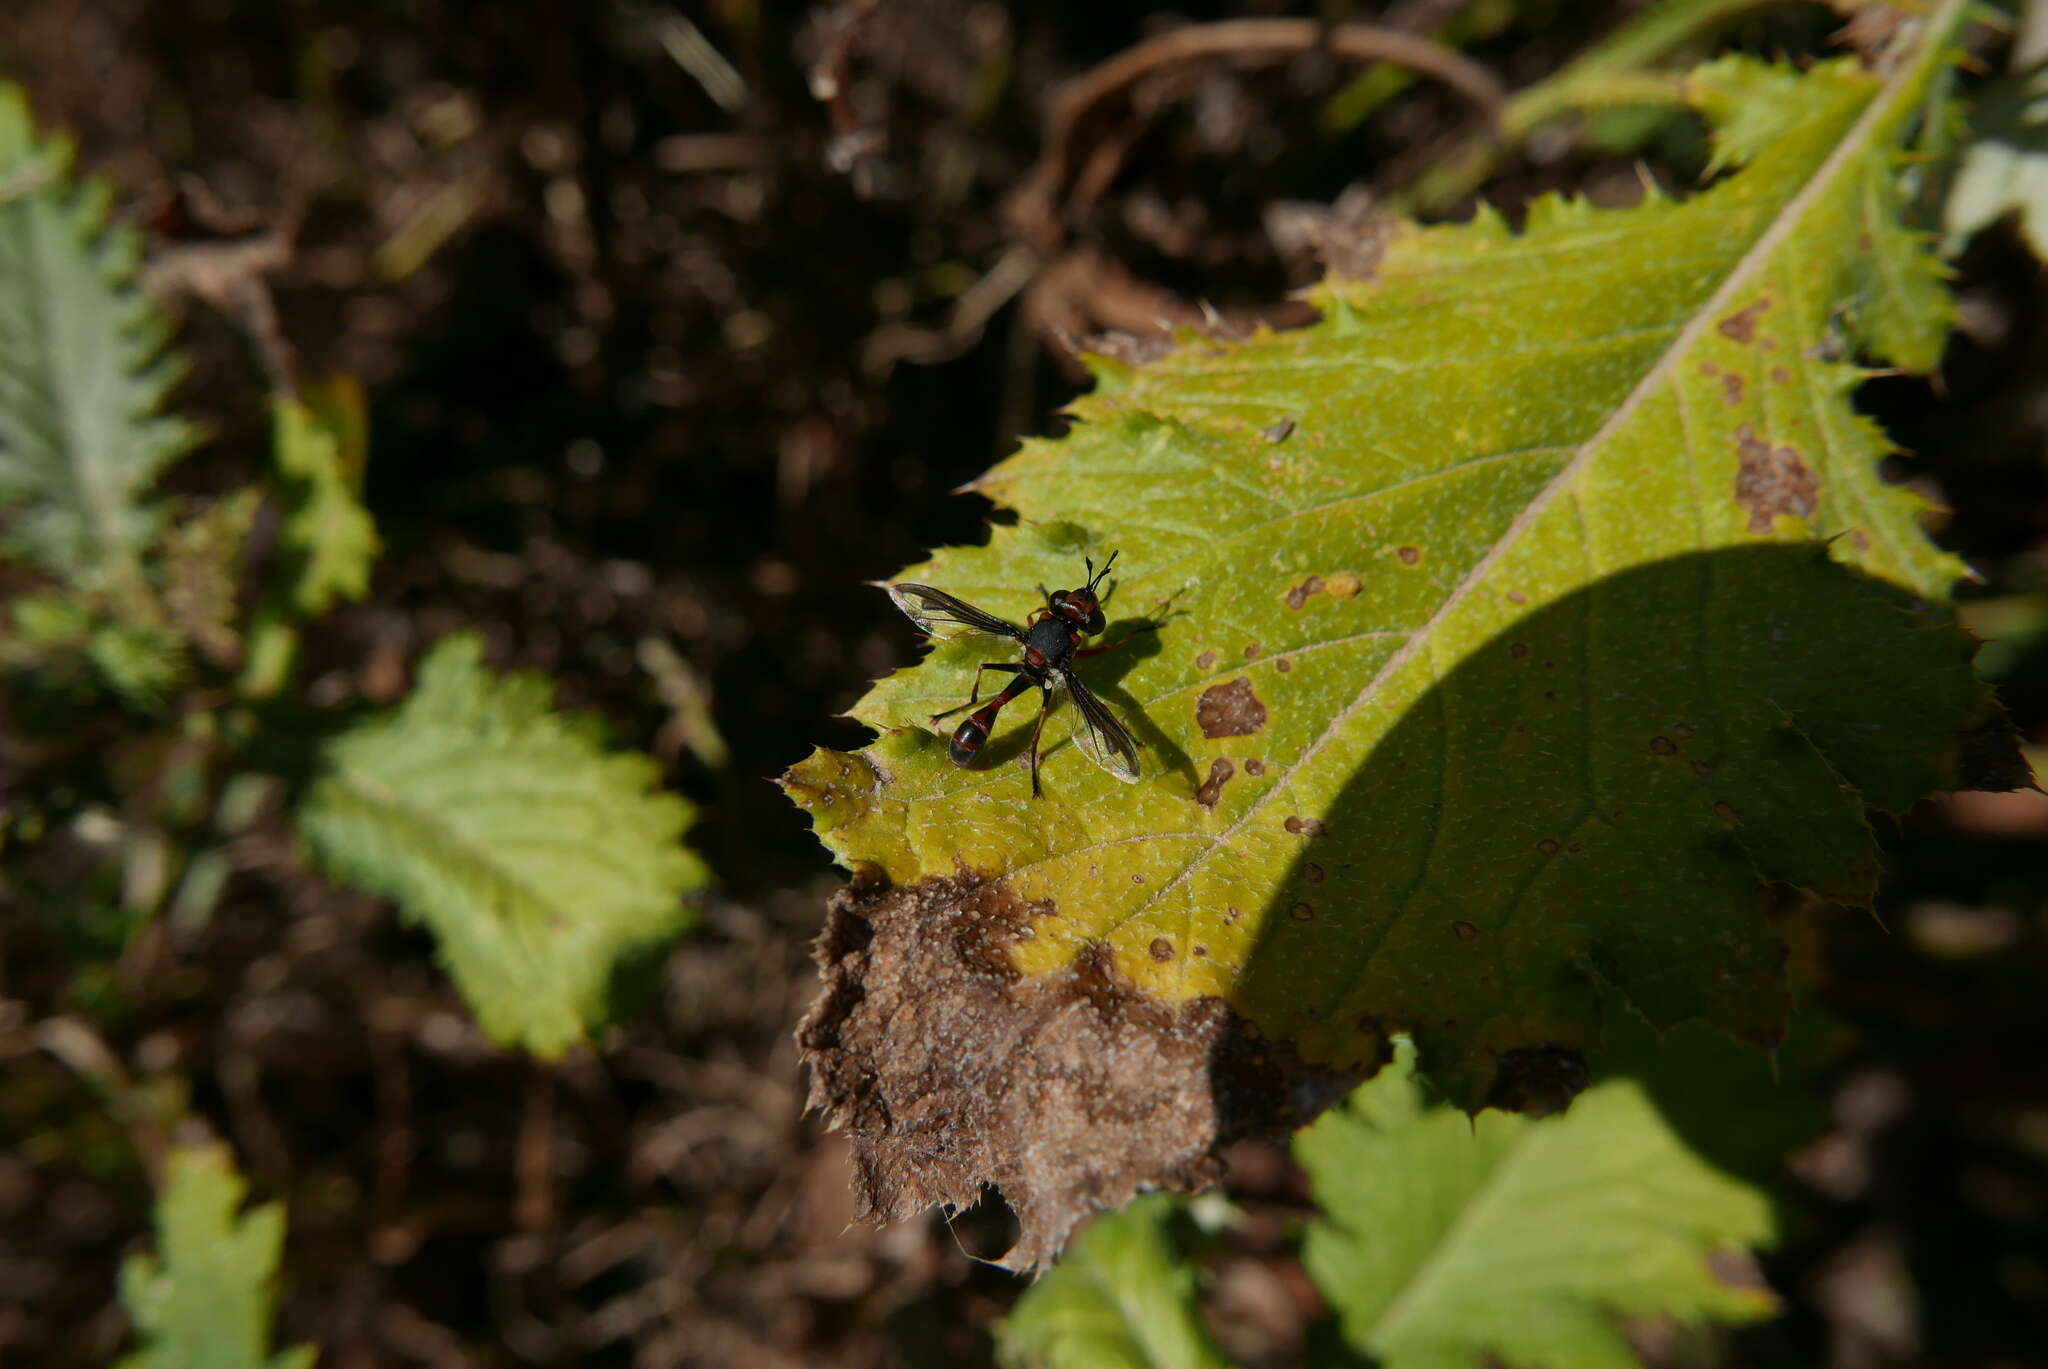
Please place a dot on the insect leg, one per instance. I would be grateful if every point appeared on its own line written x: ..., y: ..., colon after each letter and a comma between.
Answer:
x: 1044, y: 707
x: 974, y: 697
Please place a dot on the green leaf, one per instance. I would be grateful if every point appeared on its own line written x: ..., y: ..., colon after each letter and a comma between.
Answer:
x: 2005, y: 169
x: 83, y: 372
x: 538, y: 860
x: 322, y: 446
x: 1121, y: 1298
x: 1514, y: 621
x: 206, y: 1298
x: 201, y: 564
x: 1449, y: 1241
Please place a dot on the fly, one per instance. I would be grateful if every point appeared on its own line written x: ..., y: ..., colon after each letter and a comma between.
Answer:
x: 1051, y: 638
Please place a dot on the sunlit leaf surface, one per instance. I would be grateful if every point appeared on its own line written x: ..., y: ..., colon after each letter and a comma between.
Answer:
x: 1516, y: 620
x: 1453, y: 1242
x: 204, y: 1299
x: 538, y: 859
x: 82, y: 370
x: 1121, y: 1298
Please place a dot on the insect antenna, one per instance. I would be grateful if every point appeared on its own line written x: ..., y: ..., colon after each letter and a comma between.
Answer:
x: 1095, y: 576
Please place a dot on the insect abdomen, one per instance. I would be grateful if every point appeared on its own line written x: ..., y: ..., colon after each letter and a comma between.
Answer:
x: 967, y: 740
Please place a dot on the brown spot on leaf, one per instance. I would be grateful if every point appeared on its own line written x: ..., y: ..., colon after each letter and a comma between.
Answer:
x: 1726, y: 811
x: 1409, y: 555
x: 1731, y: 389
x: 1305, y: 827
x: 1772, y: 480
x: 1858, y: 540
x: 1684, y: 731
x: 1230, y: 709
x: 1312, y: 873
x: 1709, y: 369
x: 1201, y: 950
x: 1547, y: 847
x: 1342, y: 585
x: 1702, y: 769
x: 1301, y: 912
x: 1780, y: 376
x: 1518, y: 650
x: 1254, y: 766
x: 1516, y: 596
x: 1205, y: 661
x: 1299, y: 595
x: 1464, y: 931
x: 1220, y: 771
x: 1161, y: 949
x: 1070, y: 1091
x: 1283, y: 665
x: 1740, y: 326
x: 1663, y: 746
x: 1278, y: 432
x: 1252, y: 650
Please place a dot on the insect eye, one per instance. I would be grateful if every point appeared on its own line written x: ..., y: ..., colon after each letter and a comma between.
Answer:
x: 1095, y: 621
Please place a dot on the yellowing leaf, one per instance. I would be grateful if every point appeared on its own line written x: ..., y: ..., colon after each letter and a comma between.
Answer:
x: 538, y: 860
x: 204, y: 1299
x: 1450, y: 1241
x: 1516, y: 620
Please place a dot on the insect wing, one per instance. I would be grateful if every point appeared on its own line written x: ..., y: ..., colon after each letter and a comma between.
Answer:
x: 934, y: 609
x: 1101, y: 736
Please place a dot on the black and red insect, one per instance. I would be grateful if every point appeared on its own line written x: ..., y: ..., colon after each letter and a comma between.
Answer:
x: 1051, y: 638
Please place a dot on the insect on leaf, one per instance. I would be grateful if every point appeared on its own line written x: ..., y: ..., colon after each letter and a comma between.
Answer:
x: 538, y: 859
x: 1565, y: 609
x: 204, y: 1299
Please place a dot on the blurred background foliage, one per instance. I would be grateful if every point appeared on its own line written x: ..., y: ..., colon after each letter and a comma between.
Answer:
x: 662, y: 357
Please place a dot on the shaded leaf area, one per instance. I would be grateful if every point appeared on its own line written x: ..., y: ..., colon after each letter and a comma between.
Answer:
x: 1452, y: 1242
x: 538, y: 860
x: 1122, y: 1298
x: 205, y: 1298
x: 1598, y: 921
x: 1517, y: 553
x: 82, y: 371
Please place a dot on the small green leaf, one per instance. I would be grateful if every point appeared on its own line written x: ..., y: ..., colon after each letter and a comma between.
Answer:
x: 322, y: 446
x: 206, y: 1298
x: 1122, y: 1297
x: 1514, y: 621
x: 201, y: 565
x: 1450, y: 1241
x: 538, y: 860
x: 2005, y: 170
x: 83, y: 372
